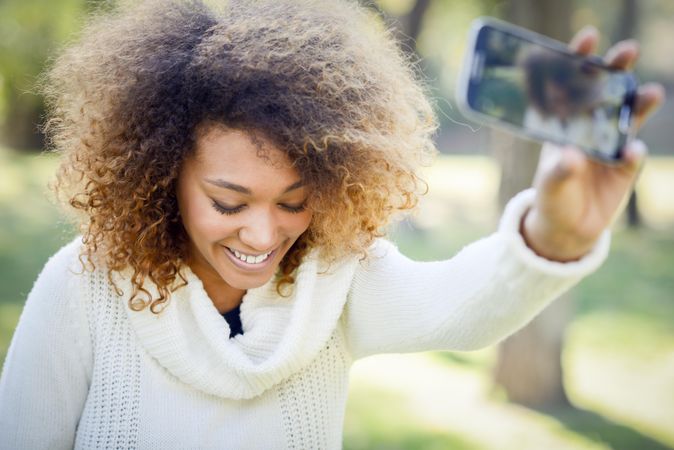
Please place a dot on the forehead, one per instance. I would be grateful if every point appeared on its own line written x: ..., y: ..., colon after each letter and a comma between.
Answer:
x: 232, y: 150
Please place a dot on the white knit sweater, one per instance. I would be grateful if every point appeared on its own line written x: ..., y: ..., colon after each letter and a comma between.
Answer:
x: 84, y: 371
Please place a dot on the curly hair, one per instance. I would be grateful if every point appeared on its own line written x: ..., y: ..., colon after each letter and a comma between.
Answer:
x: 328, y: 86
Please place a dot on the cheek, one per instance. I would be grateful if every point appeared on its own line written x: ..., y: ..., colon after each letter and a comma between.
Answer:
x: 203, y: 223
x: 204, y: 229
x: 300, y: 223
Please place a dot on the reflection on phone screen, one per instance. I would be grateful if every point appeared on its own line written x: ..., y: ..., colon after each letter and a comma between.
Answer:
x: 549, y: 93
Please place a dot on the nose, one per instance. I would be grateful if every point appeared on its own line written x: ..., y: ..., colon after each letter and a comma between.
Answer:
x: 260, y: 233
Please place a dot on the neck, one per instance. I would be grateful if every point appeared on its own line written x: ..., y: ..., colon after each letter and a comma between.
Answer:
x: 224, y: 297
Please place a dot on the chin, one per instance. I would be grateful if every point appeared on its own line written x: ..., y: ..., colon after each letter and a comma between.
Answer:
x: 248, y: 283
x: 239, y: 278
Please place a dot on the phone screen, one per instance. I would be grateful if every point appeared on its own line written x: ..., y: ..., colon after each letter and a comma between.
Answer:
x: 549, y: 93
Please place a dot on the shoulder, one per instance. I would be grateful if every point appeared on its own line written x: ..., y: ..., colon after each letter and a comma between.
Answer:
x: 382, y: 258
x: 62, y: 270
x: 66, y: 260
x: 381, y: 247
x: 347, y: 268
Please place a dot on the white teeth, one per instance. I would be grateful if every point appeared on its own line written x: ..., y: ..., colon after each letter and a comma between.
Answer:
x: 250, y: 259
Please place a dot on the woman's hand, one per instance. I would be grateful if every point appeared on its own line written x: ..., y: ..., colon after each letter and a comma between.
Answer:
x: 577, y: 197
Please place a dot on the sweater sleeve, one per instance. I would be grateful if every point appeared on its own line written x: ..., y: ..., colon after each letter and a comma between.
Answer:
x: 47, y: 372
x: 487, y: 291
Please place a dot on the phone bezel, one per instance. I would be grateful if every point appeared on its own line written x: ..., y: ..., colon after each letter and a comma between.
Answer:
x: 464, y: 83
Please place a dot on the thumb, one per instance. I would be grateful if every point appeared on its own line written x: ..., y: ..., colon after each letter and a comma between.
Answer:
x: 635, y: 155
x: 558, y: 164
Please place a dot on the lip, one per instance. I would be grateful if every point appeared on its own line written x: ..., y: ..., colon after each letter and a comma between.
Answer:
x: 250, y: 267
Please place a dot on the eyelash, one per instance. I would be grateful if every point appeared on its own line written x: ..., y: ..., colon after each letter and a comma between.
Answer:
x: 227, y: 211
x: 231, y: 211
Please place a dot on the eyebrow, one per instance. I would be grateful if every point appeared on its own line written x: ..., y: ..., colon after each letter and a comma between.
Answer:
x: 244, y: 190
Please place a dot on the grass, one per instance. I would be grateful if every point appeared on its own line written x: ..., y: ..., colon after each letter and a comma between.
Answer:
x: 618, y: 353
x: 393, y: 428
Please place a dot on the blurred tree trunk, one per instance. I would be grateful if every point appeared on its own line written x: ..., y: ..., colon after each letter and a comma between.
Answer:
x: 529, y: 362
x: 625, y: 29
x: 21, y: 127
x: 408, y: 26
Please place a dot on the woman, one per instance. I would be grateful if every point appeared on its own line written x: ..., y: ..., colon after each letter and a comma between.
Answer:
x: 251, y: 159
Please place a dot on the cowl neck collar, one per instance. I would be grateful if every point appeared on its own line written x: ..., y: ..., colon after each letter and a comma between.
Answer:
x: 190, y: 339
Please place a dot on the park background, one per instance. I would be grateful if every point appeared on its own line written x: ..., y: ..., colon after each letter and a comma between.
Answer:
x: 594, y: 371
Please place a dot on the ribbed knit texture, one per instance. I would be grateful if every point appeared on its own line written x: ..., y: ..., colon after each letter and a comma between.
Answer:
x: 84, y: 371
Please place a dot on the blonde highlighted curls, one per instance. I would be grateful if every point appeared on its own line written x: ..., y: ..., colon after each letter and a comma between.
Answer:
x: 325, y: 85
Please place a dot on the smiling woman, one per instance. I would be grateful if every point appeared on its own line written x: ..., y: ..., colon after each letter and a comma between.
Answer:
x: 264, y: 204
x: 248, y: 159
x: 342, y: 105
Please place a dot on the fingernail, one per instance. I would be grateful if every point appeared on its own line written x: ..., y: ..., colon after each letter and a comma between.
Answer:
x: 638, y: 148
x: 637, y: 153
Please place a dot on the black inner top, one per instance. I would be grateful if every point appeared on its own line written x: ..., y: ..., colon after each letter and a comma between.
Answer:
x: 233, y: 318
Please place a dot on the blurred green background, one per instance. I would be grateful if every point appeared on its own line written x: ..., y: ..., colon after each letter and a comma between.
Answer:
x: 617, y: 351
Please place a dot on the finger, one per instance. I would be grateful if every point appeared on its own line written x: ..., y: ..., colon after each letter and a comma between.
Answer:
x: 623, y: 54
x: 634, y: 157
x: 572, y: 161
x: 635, y: 153
x: 585, y: 41
x: 558, y: 163
x: 649, y: 98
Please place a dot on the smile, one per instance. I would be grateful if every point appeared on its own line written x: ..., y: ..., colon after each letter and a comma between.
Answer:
x: 250, y: 259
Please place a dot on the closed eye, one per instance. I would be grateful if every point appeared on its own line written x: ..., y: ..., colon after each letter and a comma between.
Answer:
x: 227, y: 210
x: 230, y: 210
x: 295, y: 209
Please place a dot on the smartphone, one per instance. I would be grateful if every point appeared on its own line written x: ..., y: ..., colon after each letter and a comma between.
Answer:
x: 536, y: 87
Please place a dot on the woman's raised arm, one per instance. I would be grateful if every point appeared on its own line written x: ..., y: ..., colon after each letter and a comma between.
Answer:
x: 487, y: 291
